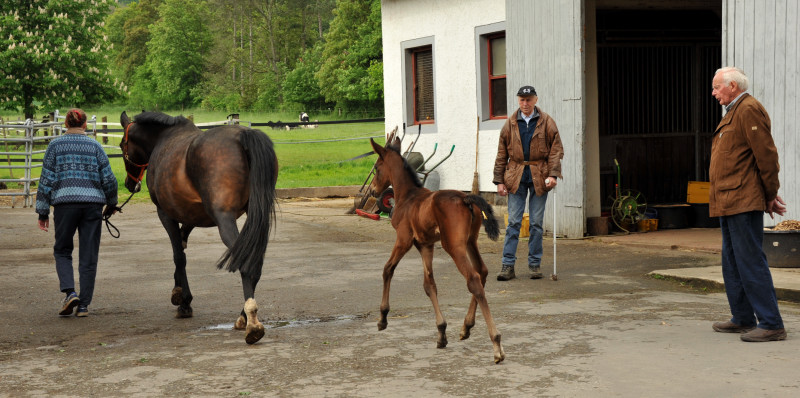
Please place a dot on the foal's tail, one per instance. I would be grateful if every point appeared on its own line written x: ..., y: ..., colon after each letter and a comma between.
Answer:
x: 247, y: 253
x: 489, y: 222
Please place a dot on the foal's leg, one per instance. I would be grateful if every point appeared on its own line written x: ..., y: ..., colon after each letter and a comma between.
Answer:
x: 475, y: 285
x: 181, y: 295
x: 480, y: 267
x: 430, y: 289
x: 401, y: 247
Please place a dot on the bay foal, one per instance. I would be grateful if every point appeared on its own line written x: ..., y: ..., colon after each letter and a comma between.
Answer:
x: 421, y: 218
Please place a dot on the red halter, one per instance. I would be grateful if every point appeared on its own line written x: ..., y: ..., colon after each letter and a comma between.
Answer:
x: 142, y: 167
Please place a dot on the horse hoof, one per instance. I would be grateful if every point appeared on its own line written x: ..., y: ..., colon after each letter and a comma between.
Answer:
x: 464, y: 334
x: 254, y: 334
x: 184, y: 312
x: 382, y: 325
x: 177, y: 296
x: 499, y: 353
x: 241, y: 323
x: 441, y: 344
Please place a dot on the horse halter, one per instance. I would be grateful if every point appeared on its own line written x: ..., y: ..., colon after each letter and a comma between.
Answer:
x: 142, y: 167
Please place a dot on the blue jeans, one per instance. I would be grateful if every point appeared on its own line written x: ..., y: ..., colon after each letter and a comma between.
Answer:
x: 748, y: 281
x: 86, y: 218
x: 516, y: 208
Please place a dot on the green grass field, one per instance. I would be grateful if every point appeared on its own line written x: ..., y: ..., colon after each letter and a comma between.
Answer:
x: 303, y: 162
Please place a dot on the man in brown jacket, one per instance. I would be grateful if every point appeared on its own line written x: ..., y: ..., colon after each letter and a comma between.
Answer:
x: 528, y: 161
x: 744, y: 185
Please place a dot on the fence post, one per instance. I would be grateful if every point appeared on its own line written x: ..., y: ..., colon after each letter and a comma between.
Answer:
x: 8, y: 157
x: 28, y: 162
x: 93, y: 122
x: 104, y: 130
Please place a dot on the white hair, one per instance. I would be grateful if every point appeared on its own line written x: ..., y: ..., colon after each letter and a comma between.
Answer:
x: 734, y: 74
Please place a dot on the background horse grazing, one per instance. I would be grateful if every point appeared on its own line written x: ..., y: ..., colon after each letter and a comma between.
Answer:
x: 421, y: 218
x: 207, y: 179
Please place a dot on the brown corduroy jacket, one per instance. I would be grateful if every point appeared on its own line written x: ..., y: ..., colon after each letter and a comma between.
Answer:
x: 546, y: 153
x: 744, y: 161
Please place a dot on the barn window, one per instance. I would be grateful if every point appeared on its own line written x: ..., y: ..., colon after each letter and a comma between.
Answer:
x: 422, y: 72
x: 496, y: 48
x: 490, y: 72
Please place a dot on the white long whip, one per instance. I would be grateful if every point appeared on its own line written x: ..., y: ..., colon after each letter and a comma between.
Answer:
x: 555, y: 227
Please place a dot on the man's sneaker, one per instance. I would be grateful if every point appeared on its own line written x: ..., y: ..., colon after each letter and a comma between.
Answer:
x: 730, y: 327
x: 536, y: 273
x: 759, y: 335
x: 82, y: 311
x: 70, y: 303
x: 506, y: 274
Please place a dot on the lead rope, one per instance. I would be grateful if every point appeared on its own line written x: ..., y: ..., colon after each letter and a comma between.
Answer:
x: 109, y: 225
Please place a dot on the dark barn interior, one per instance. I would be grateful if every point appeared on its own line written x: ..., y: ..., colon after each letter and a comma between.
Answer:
x: 656, y: 112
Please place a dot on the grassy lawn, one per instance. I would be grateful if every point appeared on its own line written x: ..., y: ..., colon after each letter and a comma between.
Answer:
x: 303, y: 162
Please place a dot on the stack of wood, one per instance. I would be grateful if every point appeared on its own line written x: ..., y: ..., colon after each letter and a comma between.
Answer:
x: 788, y: 225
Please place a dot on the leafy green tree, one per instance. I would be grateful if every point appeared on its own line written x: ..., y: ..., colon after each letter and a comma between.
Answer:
x: 352, y: 58
x: 54, y: 54
x: 300, y: 86
x: 173, y: 70
x: 256, y: 42
x: 128, y: 32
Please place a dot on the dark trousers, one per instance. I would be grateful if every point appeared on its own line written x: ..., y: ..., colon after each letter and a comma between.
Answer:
x: 86, y: 219
x: 748, y: 281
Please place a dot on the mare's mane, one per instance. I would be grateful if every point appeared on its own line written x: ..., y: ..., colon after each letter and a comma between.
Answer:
x: 407, y: 167
x: 160, y: 119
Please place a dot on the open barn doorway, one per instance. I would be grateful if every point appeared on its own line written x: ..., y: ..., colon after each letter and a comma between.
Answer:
x: 656, y: 115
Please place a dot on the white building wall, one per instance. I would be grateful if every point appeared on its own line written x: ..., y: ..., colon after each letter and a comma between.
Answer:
x: 761, y: 38
x: 451, y: 24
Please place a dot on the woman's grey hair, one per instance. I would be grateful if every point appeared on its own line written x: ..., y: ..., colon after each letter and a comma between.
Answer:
x: 734, y: 74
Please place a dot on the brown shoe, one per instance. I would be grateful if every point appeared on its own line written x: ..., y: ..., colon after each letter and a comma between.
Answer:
x: 506, y: 274
x: 760, y: 335
x: 730, y: 327
x: 536, y: 273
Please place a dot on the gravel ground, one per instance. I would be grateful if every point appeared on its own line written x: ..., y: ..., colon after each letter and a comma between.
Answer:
x: 604, y: 328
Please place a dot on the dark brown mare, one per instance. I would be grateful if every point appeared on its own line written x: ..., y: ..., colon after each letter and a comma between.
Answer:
x: 421, y: 218
x: 207, y: 179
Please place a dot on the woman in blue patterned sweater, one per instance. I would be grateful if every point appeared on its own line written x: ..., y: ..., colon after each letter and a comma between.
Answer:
x: 77, y: 181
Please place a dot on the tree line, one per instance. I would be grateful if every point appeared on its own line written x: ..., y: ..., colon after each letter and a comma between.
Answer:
x: 231, y: 55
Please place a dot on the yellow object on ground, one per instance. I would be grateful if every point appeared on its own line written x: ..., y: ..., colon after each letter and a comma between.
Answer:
x: 524, y: 229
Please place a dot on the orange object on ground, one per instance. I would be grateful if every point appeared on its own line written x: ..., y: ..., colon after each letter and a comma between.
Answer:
x: 363, y: 213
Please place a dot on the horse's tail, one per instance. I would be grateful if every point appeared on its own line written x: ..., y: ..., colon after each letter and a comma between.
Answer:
x: 247, y: 253
x: 489, y: 222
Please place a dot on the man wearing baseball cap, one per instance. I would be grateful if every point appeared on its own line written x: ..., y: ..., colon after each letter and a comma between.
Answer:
x: 527, y: 166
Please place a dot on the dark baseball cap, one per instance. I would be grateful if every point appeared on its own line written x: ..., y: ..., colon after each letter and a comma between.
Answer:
x: 526, y: 91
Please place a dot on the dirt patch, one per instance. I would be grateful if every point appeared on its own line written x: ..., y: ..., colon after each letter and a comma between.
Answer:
x: 9, y: 201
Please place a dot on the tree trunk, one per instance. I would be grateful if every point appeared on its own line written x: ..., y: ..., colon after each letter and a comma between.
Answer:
x: 319, y: 21
x: 233, y: 66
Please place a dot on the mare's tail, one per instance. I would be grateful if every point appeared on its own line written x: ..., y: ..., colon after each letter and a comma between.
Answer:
x: 489, y: 222
x: 247, y: 253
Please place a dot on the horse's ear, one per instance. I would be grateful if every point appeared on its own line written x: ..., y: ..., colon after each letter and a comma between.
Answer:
x: 377, y: 148
x: 394, y: 143
x: 124, y: 120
